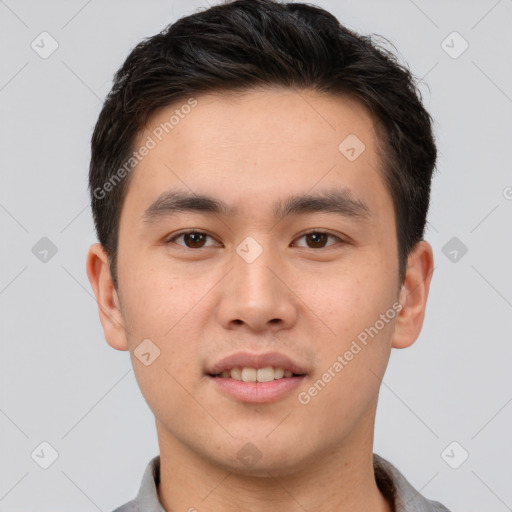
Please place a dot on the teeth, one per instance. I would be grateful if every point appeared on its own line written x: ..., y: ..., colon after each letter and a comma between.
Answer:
x: 278, y: 373
x: 249, y: 374
x: 234, y: 373
x: 265, y: 374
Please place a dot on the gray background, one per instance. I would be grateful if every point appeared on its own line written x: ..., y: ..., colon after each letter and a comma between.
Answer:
x: 61, y: 383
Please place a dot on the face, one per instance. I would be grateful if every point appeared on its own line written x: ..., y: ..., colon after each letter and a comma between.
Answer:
x: 258, y: 234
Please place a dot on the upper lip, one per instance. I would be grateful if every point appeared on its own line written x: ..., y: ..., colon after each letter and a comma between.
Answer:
x: 255, y: 360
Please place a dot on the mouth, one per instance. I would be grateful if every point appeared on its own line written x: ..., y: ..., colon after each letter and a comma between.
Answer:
x: 256, y: 378
x: 256, y: 367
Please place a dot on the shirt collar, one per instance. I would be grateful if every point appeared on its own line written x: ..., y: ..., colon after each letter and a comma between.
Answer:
x: 404, y: 497
x: 147, y: 498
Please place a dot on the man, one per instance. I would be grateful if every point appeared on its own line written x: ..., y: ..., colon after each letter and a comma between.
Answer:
x: 260, y: 181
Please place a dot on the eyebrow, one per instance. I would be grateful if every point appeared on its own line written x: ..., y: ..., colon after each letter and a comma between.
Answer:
x: 338, y: 201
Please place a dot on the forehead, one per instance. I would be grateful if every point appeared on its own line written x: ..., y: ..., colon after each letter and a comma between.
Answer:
x: 221, y: 123
x: 250, y: 147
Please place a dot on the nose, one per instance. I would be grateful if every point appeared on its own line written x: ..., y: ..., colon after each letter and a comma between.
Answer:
x: 257, y: 295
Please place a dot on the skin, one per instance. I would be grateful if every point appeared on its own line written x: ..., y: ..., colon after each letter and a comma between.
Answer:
x: 304, y: 300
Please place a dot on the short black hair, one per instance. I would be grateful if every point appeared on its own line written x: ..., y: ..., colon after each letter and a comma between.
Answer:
x: 250, y: 44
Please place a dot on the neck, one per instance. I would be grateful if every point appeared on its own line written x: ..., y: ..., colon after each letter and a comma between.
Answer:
x: 338, y: 480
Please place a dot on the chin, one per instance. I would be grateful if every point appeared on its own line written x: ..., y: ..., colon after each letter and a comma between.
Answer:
x: 267, y: 466
x: 260, y: 457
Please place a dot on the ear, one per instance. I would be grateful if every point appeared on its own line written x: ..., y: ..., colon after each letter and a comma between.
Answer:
x: 413, y: 295
x: 98, y: 271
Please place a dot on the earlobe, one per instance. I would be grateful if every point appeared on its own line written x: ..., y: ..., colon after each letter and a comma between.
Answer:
x: 98, y: 271
x: 413, y: 295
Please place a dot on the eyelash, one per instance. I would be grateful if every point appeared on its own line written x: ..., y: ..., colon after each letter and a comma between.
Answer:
x: 195, y: 231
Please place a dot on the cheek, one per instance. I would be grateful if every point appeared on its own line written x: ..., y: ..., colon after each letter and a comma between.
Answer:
x: 165, y: 386
x: 348, y: 376
x: 159, y: 306
x: 158, y: 311
x: 154, y: 300
x: 353, y: 299
x: 360, y: 308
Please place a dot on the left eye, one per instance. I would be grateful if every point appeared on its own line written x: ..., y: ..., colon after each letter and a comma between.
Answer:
x: 318, y: 239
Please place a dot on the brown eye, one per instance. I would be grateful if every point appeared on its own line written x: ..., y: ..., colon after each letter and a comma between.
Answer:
x: 191, y: 239
x: 318, y: 239
x: 194, y: 240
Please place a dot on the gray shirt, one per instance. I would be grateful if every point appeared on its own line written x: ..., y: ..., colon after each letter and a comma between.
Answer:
x: 389, y: 480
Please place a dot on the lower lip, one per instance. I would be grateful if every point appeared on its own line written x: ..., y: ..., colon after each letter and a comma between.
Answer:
x: 257, y: 392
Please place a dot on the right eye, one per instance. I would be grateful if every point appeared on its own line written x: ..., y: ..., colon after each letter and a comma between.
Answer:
x: 192, y: 239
